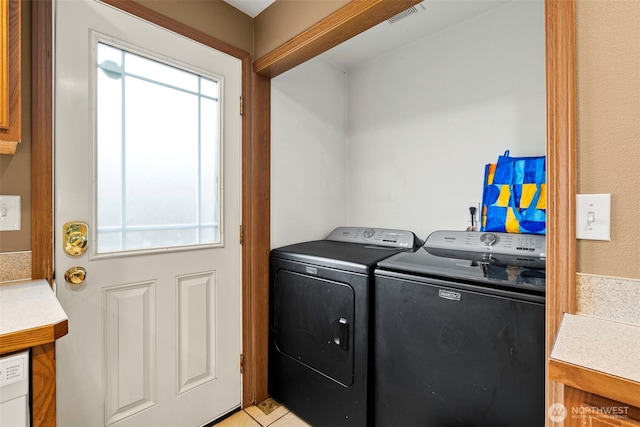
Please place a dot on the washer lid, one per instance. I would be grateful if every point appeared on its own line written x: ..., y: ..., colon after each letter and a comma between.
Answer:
x: 345, y: 256
x: 519, y: 273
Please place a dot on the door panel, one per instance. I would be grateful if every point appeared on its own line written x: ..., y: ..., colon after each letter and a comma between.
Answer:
x: 130, y: 364
x: 154, y: 334
x: 196, y: 349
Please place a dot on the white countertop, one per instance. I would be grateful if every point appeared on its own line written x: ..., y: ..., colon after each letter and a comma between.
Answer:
x: 599, y: 344
x: 27, y: 305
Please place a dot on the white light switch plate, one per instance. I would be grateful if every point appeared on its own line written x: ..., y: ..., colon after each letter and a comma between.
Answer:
x: 593, y: 216
x: 9, y: 213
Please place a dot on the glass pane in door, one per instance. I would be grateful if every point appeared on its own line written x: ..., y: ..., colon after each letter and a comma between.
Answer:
x: 158, y: 154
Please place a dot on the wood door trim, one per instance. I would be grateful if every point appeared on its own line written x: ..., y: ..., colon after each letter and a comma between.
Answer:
x: 561, y: 171
x: 42, y: 140
x: 561, y: 158
x: 348, y: 21
x: 560, y: 59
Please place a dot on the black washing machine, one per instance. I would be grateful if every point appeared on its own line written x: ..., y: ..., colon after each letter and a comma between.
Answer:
x: 459, y: 332
x: 319, y: 330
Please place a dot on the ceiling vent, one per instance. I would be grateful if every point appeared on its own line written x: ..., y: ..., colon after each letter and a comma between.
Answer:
x: 411, y: 11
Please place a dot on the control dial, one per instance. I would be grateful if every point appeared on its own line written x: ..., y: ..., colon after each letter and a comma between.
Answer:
x: 368, y: 233
x: 488, y: 239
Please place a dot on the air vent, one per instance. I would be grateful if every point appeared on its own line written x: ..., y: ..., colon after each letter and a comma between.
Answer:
x: 411, y: 11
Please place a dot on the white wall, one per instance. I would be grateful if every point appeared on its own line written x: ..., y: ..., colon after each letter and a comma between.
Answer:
x: 308, y: 152
x: 425, y: 119
x: 421, y: 124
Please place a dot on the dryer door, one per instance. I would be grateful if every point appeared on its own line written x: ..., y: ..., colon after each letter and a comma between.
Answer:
x: 314, y: 323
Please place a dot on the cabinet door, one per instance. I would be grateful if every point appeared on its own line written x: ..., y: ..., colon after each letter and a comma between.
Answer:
x: 595, y: 419
x: 10, y: 69
x: 586, y: 409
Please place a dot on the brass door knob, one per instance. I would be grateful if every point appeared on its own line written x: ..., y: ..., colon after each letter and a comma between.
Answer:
x: 75, y: 275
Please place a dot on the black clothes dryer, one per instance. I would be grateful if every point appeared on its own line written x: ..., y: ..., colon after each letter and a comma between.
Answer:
x: 459, y: 332
x: 319, y: 330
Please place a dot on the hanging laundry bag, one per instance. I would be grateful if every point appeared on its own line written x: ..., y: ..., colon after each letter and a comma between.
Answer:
x: 514, y: 198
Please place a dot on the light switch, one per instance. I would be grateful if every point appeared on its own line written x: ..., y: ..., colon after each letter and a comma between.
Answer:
x: 593, y: 216
x: 9, y: 213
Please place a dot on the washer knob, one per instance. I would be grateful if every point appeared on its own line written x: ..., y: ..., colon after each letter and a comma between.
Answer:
x: 368, y: 233
x: 488, y: 239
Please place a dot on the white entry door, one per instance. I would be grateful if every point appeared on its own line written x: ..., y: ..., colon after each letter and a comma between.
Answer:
x: 147, y: 155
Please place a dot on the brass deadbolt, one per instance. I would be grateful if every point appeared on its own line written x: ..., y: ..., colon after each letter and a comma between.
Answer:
x: 75, y: 239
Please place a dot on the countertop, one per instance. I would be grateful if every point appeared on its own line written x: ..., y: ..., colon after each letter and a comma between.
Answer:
x: 30, y: 315
x: 599, y: 356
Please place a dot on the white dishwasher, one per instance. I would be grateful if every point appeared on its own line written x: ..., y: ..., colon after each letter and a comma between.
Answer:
x: 14, y: 390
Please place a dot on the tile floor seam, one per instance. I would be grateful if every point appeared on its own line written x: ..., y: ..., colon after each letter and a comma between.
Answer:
x: 258, y: 421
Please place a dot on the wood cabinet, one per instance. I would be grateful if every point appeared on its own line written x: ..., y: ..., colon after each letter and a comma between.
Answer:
x: 586, y: 409
x: 595, y: 399
x: 32, y: 318
x: 10, y: 76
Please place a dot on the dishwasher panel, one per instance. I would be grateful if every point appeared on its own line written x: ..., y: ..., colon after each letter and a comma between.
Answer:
x: 14, y: 390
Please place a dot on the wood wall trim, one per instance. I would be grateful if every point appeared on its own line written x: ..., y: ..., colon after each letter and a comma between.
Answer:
x: 261, y: 233
x: 43, y: 385
x: 42, y: 140
x: 248, y: 255
x: 348, y: 21
x: 561, y: 171
x: 43, y: 363
x: 600, y: 383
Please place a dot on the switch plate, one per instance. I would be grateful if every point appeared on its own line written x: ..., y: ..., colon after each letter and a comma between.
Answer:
x: 9, y: 213
x: 593, y: 216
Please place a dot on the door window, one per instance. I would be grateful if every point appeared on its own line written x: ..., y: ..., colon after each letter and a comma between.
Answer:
x: 158, y: 146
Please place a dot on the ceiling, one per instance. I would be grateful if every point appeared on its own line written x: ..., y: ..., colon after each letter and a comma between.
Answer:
x: 250, y: 7
x: 430, y: 17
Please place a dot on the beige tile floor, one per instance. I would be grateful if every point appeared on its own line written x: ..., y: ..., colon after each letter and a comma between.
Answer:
x: 267, y: 413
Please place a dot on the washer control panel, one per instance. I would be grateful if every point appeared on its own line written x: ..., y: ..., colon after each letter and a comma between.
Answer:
x: 374, y: 236
x: 530, y: 245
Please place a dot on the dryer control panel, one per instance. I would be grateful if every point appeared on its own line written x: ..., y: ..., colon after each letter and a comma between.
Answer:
x: 374, y: 236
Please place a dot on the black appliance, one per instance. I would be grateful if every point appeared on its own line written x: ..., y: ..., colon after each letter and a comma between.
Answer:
x: 459, y: 332
x: 319, y: 330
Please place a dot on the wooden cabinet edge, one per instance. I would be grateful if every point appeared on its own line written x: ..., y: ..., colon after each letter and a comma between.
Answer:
x: 8, y: 147
x: 599, y: 383
x: 24, y: 339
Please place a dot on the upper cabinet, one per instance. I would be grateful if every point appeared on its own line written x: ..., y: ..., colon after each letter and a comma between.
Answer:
x: 10, y: 74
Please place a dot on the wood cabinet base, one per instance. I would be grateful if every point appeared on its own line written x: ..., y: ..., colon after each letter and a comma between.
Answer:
x: 586, y: 409
x: 43, y: 385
